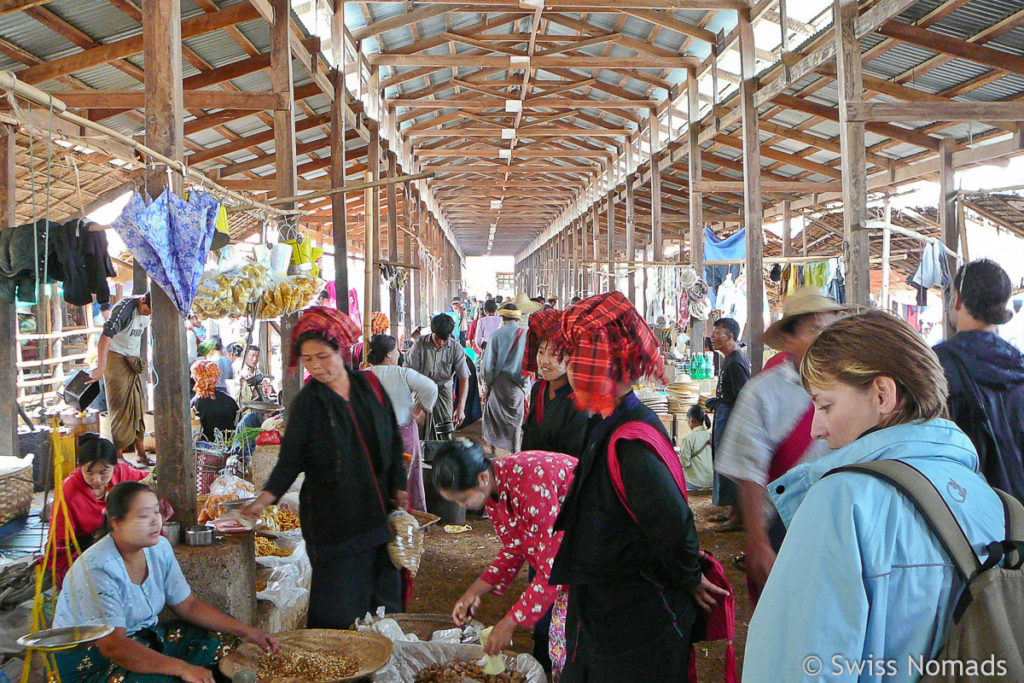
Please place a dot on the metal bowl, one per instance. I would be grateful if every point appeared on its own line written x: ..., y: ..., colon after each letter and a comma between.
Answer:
x: 199, y: 535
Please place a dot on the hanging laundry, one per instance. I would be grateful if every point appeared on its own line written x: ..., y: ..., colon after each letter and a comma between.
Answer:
x: 837, y: 288
x: 170, y: 238
x: 731, y: 248
x: 85, y: 262
x: 23, y: 254
x: 816, y: 274
x: 934, y: 268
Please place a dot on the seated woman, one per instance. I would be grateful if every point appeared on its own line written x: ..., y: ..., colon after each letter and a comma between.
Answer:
x: 214, y: 408
x: 85, y: 493
x: 695, y: 451
x: 124, y: 580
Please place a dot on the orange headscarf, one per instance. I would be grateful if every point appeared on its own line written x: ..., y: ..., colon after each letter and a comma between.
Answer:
x: 206, y: 374
x: 379, y: 323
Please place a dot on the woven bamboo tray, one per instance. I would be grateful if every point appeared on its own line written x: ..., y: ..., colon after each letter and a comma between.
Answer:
x: 15, y: 493
x: 371, y: 650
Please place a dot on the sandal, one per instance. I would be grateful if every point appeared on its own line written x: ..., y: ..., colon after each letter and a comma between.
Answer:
x: 719, y: 518
x: 728, y: 527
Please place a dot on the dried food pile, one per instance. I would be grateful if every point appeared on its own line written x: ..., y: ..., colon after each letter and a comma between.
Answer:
x: 267, y: 548
x: 311, y: 666
x: 458, y: 672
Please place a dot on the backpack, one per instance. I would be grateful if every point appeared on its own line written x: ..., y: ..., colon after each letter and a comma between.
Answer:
x: 985, y: 640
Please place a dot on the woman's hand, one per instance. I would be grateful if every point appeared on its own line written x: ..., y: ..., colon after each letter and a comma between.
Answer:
x: 501, y: 636
x: 262, y: 640
x: 465, y: 608
x: 401, y: 500
x: 191, y: 673
x: 418, y: 413
x: 706, y: 594
x: 252, y: 511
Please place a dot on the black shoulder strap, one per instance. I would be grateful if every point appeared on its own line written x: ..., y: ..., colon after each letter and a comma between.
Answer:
x: 932, y: 506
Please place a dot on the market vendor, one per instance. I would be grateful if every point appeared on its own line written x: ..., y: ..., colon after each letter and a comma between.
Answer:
x: 124, y: 580
x: 504, y: 387
x: 629, y: 555
x: 343, y: 434
x: 251, y: 368
x: 85, y: 495
x: 522, y: 494
x: 439, y: 356
x: 119, y: 363
x: 215, y: 409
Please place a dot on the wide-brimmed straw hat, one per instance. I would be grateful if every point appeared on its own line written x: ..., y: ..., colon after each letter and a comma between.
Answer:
x: 509, y: 311
x: 525, y: 305
x: 803, y: 301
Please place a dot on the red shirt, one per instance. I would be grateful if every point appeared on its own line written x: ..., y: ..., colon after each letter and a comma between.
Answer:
x: 531, y: 488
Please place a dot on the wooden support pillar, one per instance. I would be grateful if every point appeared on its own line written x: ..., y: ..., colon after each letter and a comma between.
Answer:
x: 851, y: 144
x: 696, y: 173
x: 948, y: 224
x: 284, y: 159
x: 609, y: 284
x: 886, y: 253
x: 176, y: 462
x: 752, y: 208
x: 630, y: 240
x: 8, y: 316
x: 393, y: 238
x: 409, y: 256
x: 657, y: 240
x: 339, y: 219
x: 787, y: 228
x: 371, y: 235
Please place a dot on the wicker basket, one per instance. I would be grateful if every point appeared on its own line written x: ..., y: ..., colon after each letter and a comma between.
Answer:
x: 371, y: 650
x: 15, y: 489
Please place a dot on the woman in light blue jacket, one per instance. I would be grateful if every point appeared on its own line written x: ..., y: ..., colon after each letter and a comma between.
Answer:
x: 861, y: 589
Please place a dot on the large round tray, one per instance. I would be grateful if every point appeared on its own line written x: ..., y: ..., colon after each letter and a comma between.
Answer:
x: 371, y: 650
x: 53, y: 639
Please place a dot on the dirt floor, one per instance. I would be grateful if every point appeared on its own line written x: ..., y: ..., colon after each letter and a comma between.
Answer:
x: 453, y: 561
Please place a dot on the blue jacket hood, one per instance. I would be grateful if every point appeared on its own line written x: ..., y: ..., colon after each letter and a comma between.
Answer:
x: 936, y: 439
x: 991, y: 360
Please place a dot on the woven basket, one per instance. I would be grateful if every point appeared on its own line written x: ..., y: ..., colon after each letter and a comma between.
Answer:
x: 15, y: 493
x: 371, y: 650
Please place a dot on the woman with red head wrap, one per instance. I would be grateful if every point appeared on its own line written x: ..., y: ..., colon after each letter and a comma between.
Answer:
x: 341, y: 431
x: 215, y: 409
x: 629, y: 556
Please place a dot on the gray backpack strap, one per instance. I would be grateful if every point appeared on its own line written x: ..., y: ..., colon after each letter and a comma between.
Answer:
x: 932, y: 506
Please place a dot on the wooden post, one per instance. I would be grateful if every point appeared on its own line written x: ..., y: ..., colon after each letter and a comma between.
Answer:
x: 787, y: 228
x: 339, y: 219
x: 176, y: 462
x: 595, y: 278
x: 8, y: 316
x: 610, y: 243
x: 948, y: 225
x: 408, y: 256
x: 656, y: 235
x: 393, y: 238
x: 630, y: 239
x: 371, y: 285
x: 886, y: 252
x: 752, y: 208
x: 696, y: 171
x: 851, y: 143
x: 284, y: 159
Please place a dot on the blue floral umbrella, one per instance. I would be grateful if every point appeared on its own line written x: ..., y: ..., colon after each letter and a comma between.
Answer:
x: 170, y: 237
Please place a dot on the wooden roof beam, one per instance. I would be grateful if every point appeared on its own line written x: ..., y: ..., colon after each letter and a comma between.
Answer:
x: 581, y: 62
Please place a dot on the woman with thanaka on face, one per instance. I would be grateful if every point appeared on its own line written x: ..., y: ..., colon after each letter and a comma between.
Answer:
x: 125, y: 580
x: 860, y: 574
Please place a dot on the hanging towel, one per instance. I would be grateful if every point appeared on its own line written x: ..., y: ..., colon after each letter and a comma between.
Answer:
x: 816, y: 274
x: 934, y: 268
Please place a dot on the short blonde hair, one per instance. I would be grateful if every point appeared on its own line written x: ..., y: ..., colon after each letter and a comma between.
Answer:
x: 858, y: 348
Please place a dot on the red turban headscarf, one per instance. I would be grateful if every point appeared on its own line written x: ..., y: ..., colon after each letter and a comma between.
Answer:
x: 329, y: 323
x: 608, y: 343
x: 544, y: 326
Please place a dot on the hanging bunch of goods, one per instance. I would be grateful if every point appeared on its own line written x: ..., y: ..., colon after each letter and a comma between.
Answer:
x: 284, y: 294
x: 229, y: 291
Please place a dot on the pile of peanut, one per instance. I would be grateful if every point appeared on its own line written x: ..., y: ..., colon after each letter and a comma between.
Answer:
x: 309, y: 665
x: 458, y: 672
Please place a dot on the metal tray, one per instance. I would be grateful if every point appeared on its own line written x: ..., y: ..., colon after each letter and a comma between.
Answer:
x: 64, y: 638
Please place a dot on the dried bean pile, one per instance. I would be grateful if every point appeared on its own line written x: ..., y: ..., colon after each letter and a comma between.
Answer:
x: 312, y: 666
x: 457, y: 672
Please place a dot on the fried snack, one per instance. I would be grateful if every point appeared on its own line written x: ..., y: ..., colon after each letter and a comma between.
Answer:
x: 309, y: 665
x: 457, y: 672
x: 267, y: 548
x: 287, y: 519
x: 212, y: 509
x: 261, y: 586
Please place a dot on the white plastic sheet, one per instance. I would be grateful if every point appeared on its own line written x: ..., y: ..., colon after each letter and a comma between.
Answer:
x: 410, y: 658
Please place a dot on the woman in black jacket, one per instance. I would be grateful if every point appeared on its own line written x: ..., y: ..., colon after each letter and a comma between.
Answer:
x: 629, y: 555
x: 343, y: 434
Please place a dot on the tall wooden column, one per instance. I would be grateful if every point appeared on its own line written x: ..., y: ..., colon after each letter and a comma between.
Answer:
x: 851, y: 144
x: 787, y: 228
x: 393, y: 238
x: 630, y: 240
x: 408, y: 256
x: 339, y: 218
x: 696, y: 171
x: 883, y: 301
x: 8, y: 316
x: 610, y: 243
x: 371, y: 219
x: 657, y: 240
x: 176, y: 462
x: 284, y: 159
x: 948, y: 225
x: 752, y: 207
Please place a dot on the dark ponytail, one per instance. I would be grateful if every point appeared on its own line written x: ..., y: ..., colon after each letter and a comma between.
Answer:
x: 697, y: 414
x: 380, y: 346
x: 93, y: 448
x: 458, y: 464
x: 119, y: 501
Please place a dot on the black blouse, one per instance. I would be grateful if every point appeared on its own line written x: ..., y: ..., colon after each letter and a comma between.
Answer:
x: 341, y: 445
x: 561, y: 427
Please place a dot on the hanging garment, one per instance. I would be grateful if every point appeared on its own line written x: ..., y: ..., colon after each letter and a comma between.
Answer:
x: 837, y: 288
x: 23, y: 253
x: 816, y: 274
x: 934, y: 268
x: 84, y: 260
